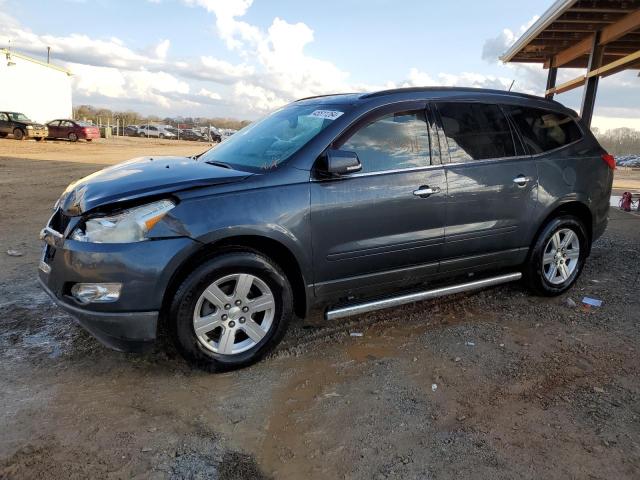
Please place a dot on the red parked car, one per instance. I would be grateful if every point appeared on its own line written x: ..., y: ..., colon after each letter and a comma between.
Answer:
x: 73, y: 130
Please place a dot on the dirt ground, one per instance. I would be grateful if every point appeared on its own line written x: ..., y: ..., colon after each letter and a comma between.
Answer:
x: 498, y: 384
x: 626, y: 179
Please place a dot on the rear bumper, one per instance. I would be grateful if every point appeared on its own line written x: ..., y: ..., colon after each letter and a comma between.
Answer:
x: 89, y: 135
x: 122, y: 331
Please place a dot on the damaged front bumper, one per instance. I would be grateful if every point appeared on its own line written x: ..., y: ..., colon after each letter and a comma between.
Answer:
x: 144, y: 269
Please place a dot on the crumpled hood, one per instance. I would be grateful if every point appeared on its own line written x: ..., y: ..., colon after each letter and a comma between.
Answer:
x: 141, y: 177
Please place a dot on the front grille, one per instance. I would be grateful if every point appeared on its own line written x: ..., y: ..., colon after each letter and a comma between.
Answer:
x: 59, y: 221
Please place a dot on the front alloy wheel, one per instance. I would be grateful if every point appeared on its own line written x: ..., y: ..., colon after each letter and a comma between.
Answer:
x: 234, y: 314
x: 230, y: 311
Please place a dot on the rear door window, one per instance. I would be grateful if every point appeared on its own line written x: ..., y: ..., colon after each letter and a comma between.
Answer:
x: 476, y: 131
x: 544, y: 130
x: 395, y: 141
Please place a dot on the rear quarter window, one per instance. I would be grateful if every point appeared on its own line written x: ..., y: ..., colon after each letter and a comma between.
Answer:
x: 544, y: 130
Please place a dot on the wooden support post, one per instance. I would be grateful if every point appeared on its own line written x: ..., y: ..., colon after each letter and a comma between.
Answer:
x: 551, y: 82
x: 591, y: 84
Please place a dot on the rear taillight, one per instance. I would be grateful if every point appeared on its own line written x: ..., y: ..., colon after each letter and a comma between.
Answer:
x: 609, y: 160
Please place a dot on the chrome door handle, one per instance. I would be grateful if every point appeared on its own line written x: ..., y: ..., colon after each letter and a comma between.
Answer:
x: 425, y: 191
x: 521, y: 180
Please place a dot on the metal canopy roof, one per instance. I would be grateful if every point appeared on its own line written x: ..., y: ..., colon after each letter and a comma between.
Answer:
x: 563, y: 35
x: 602, y: 36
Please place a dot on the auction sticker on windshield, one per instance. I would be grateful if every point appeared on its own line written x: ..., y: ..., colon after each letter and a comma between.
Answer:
x: 328, y: 114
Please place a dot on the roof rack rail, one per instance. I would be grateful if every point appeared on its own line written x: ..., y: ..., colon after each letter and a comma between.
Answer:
x: 382, y: 93
x: 325, y: 95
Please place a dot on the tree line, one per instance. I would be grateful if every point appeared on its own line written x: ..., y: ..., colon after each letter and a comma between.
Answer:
x: 104, y: 116
x: 619, y: 141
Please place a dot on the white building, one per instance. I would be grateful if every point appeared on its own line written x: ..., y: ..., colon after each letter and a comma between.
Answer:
x: 40, y: 90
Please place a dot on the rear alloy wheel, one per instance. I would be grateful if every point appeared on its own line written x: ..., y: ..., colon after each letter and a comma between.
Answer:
x: 73, y: 137
x: 558, y: 256
x: 231, y: 311
x: 18, y: 134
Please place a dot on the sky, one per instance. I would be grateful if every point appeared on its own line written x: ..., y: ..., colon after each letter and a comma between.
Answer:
x: 243, y: 58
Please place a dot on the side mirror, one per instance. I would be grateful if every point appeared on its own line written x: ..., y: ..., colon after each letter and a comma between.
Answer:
x: 340, y: 162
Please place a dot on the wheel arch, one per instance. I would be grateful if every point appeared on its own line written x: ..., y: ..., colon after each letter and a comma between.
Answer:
x: 275, y: 250
x: 575, y: 208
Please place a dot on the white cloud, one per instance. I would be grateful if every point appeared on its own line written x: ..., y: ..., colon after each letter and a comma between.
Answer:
x: 234, y: 32
x: 495, y: 47
x: 162, y: 48
x: 210, y: 95
x: 142, y: 85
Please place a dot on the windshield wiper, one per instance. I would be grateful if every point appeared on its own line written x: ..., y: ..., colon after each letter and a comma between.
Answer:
x: 219, y: 164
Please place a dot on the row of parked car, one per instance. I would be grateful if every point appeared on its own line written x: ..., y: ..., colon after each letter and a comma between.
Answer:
x: 170, y: 132
x: 21, y: 127
x: 628, y: 161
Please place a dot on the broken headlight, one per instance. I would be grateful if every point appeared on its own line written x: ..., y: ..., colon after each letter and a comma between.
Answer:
x: 128, y: 226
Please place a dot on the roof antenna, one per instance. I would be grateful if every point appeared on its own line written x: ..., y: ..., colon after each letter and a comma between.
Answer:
x: 511, y: 86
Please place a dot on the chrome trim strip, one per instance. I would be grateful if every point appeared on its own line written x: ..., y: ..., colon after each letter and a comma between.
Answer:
x: 419, y: 296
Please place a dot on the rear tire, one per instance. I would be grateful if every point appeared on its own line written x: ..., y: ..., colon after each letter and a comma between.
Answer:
x: 38, y: 139
x: 18, y: 134
x: 228, y: 338
x: 557, y: 257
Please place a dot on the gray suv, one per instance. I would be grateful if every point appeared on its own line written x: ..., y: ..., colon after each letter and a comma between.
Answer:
x: 348, y: 203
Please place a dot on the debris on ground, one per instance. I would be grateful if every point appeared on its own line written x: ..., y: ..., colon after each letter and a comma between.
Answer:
x: 14, y: 253
x: 357, y: 334
x: 592, y: 302
x: 570, y: 303
x: 434, y: 387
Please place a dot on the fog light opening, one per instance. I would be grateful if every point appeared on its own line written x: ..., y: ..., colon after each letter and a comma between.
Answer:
x: 96, y: 292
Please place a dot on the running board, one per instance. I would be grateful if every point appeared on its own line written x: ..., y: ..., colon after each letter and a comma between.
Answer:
x: 419, y: 296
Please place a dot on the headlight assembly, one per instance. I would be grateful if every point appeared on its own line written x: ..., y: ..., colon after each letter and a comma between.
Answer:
x: 128, y: 226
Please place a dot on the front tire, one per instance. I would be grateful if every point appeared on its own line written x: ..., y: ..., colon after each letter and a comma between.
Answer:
x: 73, y: 137
x: 231, y: 311
x: 18, y: 134
x: 557, y: 257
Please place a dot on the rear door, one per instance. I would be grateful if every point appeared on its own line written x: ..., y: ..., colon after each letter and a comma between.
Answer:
x: 53, y: 128
x: 492, y: 187
x: 380, y: 225
x: 65, y: 128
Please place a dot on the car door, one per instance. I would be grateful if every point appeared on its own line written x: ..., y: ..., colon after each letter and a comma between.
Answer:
x: 53, y: 129
x: 4, y: 124
x: 492, y: 187
x: 385, y: 223
x: 65, y: 128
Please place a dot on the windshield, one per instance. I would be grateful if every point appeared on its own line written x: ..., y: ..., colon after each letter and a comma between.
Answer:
x: 265, y: 144
x: 19, y: 117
